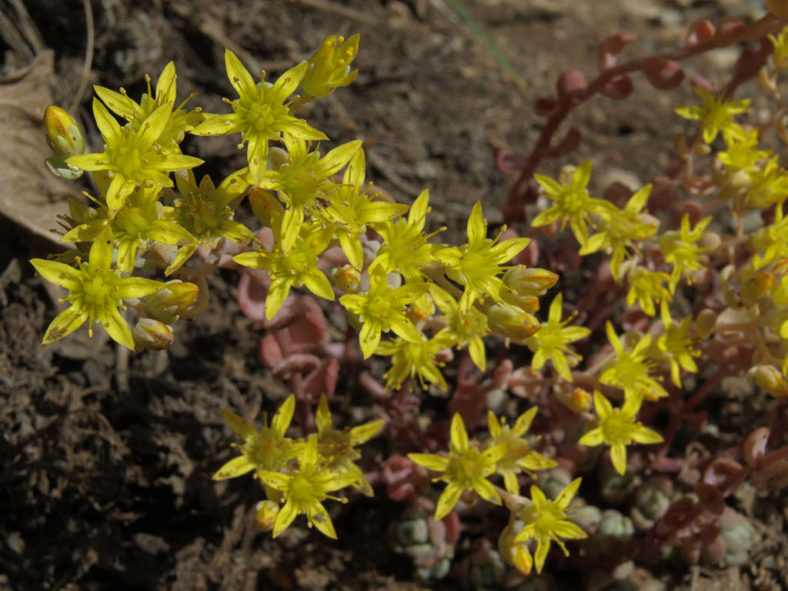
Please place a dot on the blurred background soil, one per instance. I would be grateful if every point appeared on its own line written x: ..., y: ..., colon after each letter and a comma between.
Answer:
x: 106, y: 461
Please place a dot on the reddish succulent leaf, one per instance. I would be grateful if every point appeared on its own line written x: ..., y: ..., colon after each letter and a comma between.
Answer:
x: 296, y: 363
x: 571, y: 85
x: 608, y: 51
x: 663, y: 74
x: 270, y: 352
x: 699, y: 32
x: 545, y: 107
x: 322, y: 380
x: 755, y: 446
x: 618, y: 88
x: 251, y: 297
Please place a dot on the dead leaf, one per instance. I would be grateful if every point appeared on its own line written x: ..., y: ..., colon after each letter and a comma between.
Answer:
x: 29, y: 194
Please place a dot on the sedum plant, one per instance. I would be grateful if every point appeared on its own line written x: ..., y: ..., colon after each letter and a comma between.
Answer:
x: 687, y: 274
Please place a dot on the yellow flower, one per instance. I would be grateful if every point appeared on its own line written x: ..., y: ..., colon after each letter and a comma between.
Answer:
x: 680, y: 249
x: 477, y: 264
x: 381, y: 309
x: 354, y: 208
x: 571, y: 201
x: 551, y: 340
x: 179, y: 121
x: 96, y: 292
x: 141, y: 220
x: 649, y: 287
x: 519, y: 455
x: 304, y: 489
x: 409, y: 358
x: 676, y: 346
x: 630, y: 369
x: 133, y: 155
x: 546, y: 522
x: 780, y: 43
x: 621, y: 229
x: 266, y: 449
x: 715, y: 115
x: 304, y: 180
x: 462, y: 328
x: 260, y: 113
x: 207, y: 212
x: 405, y: 248
x: 465, y: 468
x: 618, y: 428
x: 329, y: 67
x: 339, y: 447
x: 295, y: 268
x: 768, y: 184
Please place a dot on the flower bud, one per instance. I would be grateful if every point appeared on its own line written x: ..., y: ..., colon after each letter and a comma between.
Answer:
x: 575, y: 399
x: 265, y: 513
x: 65, y: 139
x: 531, y: 281
x: 154, y: 335
x: 517, y: 555
x: 756, y: 286
x: 63, y: 134
x: 780, y: 292
x: 769, y: 379
x: 346, y: 278
x: 512, y: 323
x: 705, y: 322
x: 170, y: 302
x: 778, y: 8
x: 329, y: 67
x: 421, y: 309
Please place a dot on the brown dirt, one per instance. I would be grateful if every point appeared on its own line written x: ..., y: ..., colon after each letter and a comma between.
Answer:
x: 106, y: 472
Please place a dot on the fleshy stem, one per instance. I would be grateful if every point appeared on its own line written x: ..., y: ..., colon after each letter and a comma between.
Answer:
x: 523, y: 189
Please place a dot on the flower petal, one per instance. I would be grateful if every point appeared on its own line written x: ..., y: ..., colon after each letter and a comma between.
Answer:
x: 64, y: 324
x: 58, y: 273
x: 239, y: 76
x: 117, y: 328
x: 236, y: 467
x: 447, y: 501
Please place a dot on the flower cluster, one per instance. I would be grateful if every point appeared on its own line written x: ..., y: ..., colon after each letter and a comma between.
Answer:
x: 672, y: 287
x: 298, y: 473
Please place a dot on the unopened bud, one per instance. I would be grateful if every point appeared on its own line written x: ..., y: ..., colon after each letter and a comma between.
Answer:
x: 329, y: 67
x: 756, y: 286
x: 780, y: 292
x: 705, y: 322
x: 769, y: 379
x: 63, y: 134
x: 347, y: 278
x: 778, y: 8
x: 152, y: 335
x: 170, y: 302
x: 65, y: 139
x: 517, y: 555
x: 266, y: 207
x: 510, y: 322
x: 577, y: 399
x: 421, y: 309
x: 528, y: 303
x: 265, y: 513
x: 531, y: 281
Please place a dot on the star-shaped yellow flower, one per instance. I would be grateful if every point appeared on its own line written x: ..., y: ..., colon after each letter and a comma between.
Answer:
x: 618, y: 428
x: 465, y: 468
